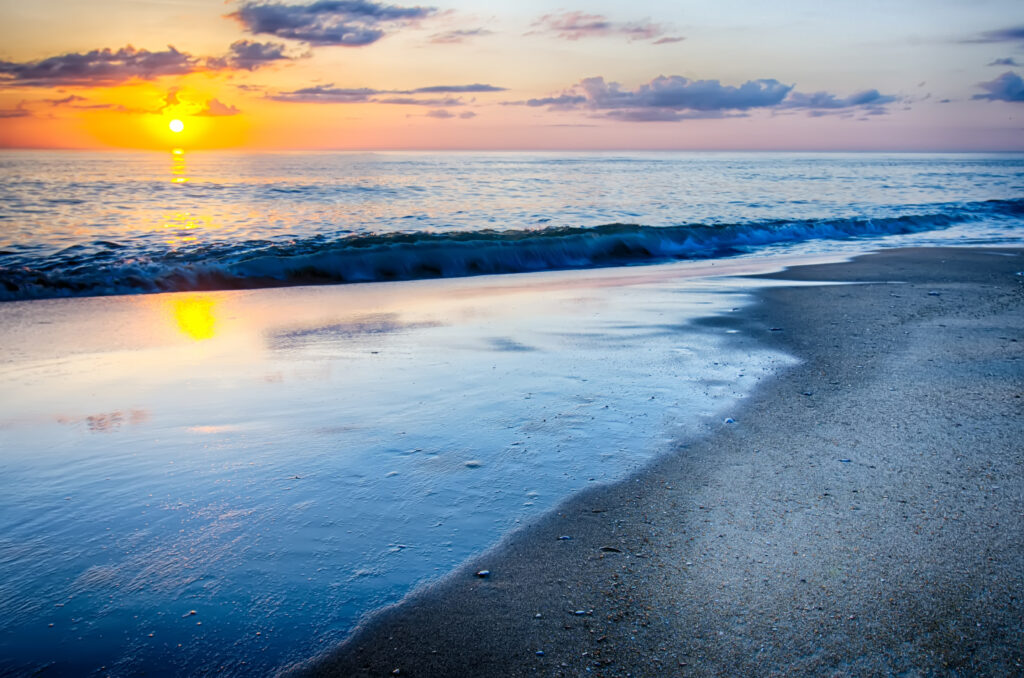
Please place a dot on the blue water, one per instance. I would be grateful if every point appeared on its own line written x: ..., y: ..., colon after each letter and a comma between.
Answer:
x: 78, y: 224
x: 224, y: 482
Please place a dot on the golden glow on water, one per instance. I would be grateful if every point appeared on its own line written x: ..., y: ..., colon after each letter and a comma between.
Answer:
x: 195, y: 317
x: 178, y: 168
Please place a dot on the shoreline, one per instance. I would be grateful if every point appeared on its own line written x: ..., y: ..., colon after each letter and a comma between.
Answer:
x: 861, y: 516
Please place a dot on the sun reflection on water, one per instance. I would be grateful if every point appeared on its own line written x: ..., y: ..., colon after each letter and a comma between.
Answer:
x: 195, y: 317
x: 178, y: 167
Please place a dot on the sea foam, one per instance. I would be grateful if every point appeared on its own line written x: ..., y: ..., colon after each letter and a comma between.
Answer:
x: 100, y: 268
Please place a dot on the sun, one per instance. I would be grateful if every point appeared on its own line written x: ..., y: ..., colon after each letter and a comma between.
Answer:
x: 176, y: 125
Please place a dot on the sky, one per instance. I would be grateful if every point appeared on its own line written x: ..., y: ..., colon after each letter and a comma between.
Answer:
x: 895, y: 75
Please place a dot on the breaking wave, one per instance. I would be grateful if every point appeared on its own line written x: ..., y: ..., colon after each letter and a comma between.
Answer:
x: 105, y: 268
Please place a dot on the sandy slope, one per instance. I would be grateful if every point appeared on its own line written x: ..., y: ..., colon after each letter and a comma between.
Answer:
x: 864, y: 515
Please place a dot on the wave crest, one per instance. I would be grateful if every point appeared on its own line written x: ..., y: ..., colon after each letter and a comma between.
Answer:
x: 410, y: 256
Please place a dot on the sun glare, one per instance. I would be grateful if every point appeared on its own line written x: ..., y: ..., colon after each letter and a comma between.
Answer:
x: 176, y: 125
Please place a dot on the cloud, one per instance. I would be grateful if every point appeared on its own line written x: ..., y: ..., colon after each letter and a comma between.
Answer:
x: 189, y: 106
x: 328, y: 94
x: 214, y: 108
x: 461, y: 89
x: 442, y: 114
x: 668, y: 115
x: 674, y: 98
x: 99, y: 67
x: 577, y: 25
x: 1011, y: 34
x: 409, y: 101
x: 1007, y: 87
x: 350, y: 23
x: 458, y: 36
x: 562, y: 101
x: 104, y: 67
x: 19, y: 111
x: 70, y: 99
x: 676, y: 93
x: 249, y: 55
x: 75, y: 101
x: 823, y: 101
x: 1008, y: 61
x: 171, y: 100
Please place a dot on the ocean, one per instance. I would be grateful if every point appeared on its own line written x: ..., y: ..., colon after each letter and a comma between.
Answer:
x: 216, y: 459
x: 79, y: 223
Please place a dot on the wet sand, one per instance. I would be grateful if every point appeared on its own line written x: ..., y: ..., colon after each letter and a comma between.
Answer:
x: 862, y: 515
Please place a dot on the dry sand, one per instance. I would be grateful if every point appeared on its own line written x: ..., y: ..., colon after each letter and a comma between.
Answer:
x: 864, y: 515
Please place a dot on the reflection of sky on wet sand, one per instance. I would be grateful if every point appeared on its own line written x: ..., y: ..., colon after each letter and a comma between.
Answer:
x: 258, y: 456
x: 195, y: 316
x: 106, y: 422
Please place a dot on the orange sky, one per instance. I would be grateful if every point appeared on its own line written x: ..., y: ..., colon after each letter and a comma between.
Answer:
x: 529, y: 75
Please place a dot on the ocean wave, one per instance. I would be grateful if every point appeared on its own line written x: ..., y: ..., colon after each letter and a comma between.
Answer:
x: 410, y: 256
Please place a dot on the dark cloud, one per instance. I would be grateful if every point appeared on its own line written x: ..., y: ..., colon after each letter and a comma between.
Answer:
x: 674, y: 98
x: 679, y: 93
x: 99, y: 67
x: 668, y: 41
x: 823, y: 101
x: 466, y: 115
x: 326, y: 94
x: 561, y: 101
x: 245, y: 87
x: 577, y: 25
x: 1007, y: 87
x: 249, y: 55
x: 455, y: 89
x: 1011, y: 34
x: 458, y: 36
x: 350, y: 23
x: 102, y: 67
x: 1008, y: 61
x: 409, y: 101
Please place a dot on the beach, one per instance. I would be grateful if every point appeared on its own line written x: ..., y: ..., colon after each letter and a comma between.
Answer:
x: 228, y: 481
x: 260, y: 407
x: 365, y: 338
x: 860, y: 514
